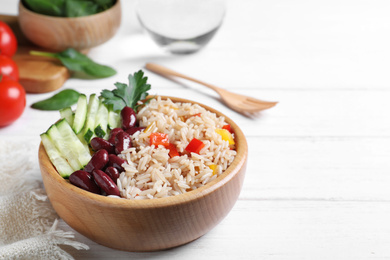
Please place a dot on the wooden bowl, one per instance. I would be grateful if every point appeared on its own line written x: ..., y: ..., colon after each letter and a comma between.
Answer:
x: 147, y: 225
x: 59, y: 33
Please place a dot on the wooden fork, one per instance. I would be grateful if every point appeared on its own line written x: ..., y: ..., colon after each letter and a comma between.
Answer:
x: 240, y: 103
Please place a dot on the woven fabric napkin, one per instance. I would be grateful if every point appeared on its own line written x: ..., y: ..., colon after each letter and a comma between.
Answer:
x: 28, y: 223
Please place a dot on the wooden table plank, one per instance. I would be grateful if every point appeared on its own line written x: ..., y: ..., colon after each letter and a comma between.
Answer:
x: 303, y: 113
x: 317, y: 179
x: 281, y: 230
x: 323, y: 168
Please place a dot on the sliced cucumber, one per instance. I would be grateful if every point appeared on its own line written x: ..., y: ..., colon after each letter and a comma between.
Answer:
x: 64, y: 147
x: 62, y: 166
x: 93, y: 106
x: 81, y: 114
x: 73, y: 142
x: 101, y: 121
x: 114, y: 119
x: 88, y: 135
x: 67, y: 113
x: 82, y: 140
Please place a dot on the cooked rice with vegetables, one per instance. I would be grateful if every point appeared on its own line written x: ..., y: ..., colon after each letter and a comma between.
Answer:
x: 150, y: 171
x: 121, y: 144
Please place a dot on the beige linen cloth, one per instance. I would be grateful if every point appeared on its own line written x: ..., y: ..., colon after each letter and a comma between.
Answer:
x: 28, y: 223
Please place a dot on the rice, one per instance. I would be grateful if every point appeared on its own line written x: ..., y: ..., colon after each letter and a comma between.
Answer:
x: 151, y: 173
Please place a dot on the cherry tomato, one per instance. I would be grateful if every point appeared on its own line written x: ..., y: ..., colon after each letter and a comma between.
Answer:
x: 8, y: 68
x: 12, y: 101
x: 8, y: 42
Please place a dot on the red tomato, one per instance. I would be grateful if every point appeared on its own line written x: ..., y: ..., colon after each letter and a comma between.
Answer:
x: 8, y: 42
x: 8, y: 68
x: 12, y: 101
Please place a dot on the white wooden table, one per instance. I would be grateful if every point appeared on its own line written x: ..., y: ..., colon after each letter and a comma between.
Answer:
x: 318, y: 179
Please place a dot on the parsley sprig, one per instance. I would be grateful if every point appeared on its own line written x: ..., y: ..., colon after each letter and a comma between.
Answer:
x: 127, y: 95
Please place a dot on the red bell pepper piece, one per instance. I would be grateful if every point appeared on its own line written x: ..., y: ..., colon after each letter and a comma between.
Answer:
x: 172, y: 150
x: 194, y: 146
x: 159, y: 139
x: 227, y: 127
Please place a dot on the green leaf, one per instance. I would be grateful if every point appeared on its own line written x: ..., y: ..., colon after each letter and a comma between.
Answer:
x: 68, y: 8
x: 46, y: 7
x: 111, y: 99
x: 99, y: 71
x: 122, y: 91
x: 127, y: 95
x: 62, y: 99
x: 77, y: 8
x: 138, y: 87
x: 76, y: 61
x: 104, y: 4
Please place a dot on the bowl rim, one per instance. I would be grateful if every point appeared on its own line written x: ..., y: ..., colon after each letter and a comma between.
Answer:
x: 231, y: 172
x: 44, y: 16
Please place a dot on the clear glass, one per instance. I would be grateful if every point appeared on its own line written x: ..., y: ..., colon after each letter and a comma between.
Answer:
x: 181, y: 26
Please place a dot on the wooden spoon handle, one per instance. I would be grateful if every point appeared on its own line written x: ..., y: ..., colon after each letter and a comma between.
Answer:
x: 168, y: 72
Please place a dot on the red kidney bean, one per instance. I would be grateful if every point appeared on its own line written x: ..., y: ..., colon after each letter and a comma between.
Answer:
x: 105, y: 183
x: 83, y: 180
x: 122, y: 142
x: 128, y: 117
x: 134, y: 129
x: 98, y: 161
x: 113, y: 173
x: 98, y: 143
x: 113, y: 134
x: 116, y: 162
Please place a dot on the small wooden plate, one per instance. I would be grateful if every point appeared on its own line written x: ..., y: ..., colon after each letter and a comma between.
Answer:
x: 37, y: 74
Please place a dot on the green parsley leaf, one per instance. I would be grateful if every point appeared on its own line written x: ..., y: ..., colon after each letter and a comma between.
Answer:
x: 138, y: 92
x: 110, y: 99
x: 127, y: 95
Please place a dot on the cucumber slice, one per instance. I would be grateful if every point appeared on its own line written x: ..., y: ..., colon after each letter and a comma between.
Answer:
x: 101, y: 121
x: 81, y: 114
x: 114, y: 119
x: 88, y: 135
x: 73, y: 142
x: 67, y: 113
x: 62, y: 166
x: 80, y: 136
x: 64, y: 147
x: 93, y: 106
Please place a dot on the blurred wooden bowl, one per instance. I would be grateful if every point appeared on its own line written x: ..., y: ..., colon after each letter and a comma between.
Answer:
x: 59, y: 33
x: 147, y: 225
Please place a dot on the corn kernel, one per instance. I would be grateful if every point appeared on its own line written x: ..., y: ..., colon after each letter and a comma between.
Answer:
x: 214, y: 168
